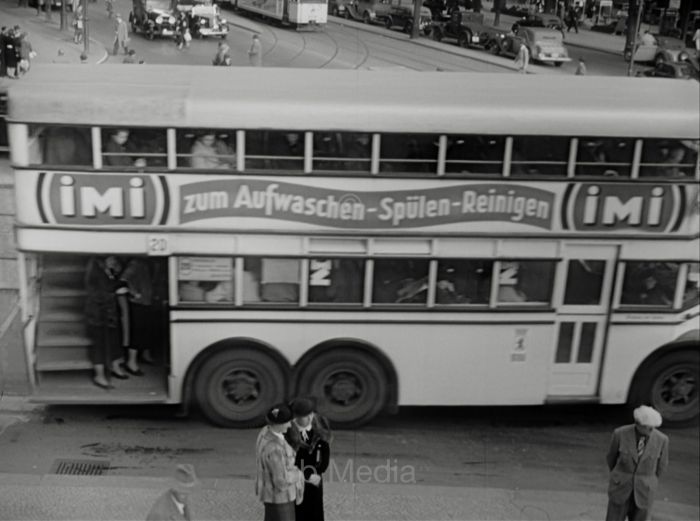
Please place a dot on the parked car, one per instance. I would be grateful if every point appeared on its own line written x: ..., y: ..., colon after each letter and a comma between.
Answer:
x: 663, y: 49
x: 677, y: 70
x: 152, y: 18
x: 545, y: 45
x: 551, y: 21
x: 466, y: 28
x: 390, y: 13
x: 338, y: 8
x: 204, y: 18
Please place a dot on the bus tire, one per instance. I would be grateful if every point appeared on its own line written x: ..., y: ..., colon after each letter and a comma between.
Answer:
x: 351, y: 386
x: 235, y: 387
x: 671, y: 386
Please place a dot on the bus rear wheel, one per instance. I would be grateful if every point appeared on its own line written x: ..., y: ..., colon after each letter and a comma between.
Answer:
x: 350, y: 385
x: 671, y: 387
x: 236, y: 387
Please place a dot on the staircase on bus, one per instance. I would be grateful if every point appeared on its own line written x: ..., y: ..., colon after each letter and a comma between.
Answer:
x: 62, y: 347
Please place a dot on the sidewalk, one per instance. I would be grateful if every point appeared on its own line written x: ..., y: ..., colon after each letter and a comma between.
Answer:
x: 58, y: 497
x: 45, y: 35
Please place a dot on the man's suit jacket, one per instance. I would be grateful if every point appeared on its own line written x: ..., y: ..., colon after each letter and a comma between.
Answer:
x: 631, y: 473
x: 165, y: 509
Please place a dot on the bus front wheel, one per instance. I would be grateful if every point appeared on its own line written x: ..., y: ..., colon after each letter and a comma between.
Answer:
x: 236, y: 387
x: 350, y: 385
x: 670, y: 386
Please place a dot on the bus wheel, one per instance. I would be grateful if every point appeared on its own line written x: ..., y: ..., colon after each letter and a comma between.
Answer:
x: 351, y: 386
x: 234, y: 388
x: 671, y: 387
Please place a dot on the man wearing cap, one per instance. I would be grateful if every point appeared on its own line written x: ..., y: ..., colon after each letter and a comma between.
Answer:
x: 278, y: 483
x: 173, y: 505
x: 637, y: 458
x: 309, y: 436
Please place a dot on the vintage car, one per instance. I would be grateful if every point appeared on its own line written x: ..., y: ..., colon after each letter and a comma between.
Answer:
x: 152, y: 18
x: 545, y: 45
x: 466, y: 28
x: 659, y: 49
x: 338, y: 8
x: 677, y: 70
x: 204, y: 18
x: 390, y: 13
x: 551, y: 21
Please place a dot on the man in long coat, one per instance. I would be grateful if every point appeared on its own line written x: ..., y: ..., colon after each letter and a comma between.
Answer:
x: 637, y: 458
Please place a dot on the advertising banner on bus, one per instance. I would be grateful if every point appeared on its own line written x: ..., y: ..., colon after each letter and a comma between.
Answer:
x: 305, y: 204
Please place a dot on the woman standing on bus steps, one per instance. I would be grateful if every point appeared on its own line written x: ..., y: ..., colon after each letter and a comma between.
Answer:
x: 105, y: 311
x: 309, y: 436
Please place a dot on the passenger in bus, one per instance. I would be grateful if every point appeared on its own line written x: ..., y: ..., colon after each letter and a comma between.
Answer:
x: 208, y: 152
x: 359, y: 147
x: 649, y: 283
x: 106, y: 312
x: 142, y: 314
x: 289, y: 148
x: 119, y: 150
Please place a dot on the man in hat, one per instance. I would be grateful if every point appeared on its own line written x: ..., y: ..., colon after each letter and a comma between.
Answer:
x: 637, y: 458
x: 278, y: 483
x: 173, y: 505
x: 309, y: 435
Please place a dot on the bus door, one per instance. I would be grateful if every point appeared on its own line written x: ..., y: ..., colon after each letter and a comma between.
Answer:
x: 582, y: 298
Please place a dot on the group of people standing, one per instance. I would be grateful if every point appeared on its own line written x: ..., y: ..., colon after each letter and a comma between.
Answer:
x: 16, y: 52
x: 222, y: 58
x: 121, y: 317
x: 292, y: 453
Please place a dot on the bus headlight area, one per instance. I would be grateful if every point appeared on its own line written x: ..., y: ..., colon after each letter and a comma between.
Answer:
x: 372, y: 262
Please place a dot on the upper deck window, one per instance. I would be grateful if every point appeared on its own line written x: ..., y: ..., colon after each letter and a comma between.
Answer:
x: 468, y: 154
x: 277, y: 150
x: 604, y: 156
x: 344, y: 151
x: 409, y: 153
x: 126, y: 149
x: 57, y: 145
x: 669, y: 158
x: 540, y: 155
x: 206, y: 149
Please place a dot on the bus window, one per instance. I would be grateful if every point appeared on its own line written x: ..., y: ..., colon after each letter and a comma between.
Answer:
x: 525, y: 282
x: 461, y: 281
x: 691, y: 291
x: 278, y: 150
x: 400, y: 281
x: 669, y: 158
x: 205, y: 280
x: 333, y: 150
x: 584, y: 282
x: 409, y: 153
x: 206, y: 149
x: 271, y: 280
x: 649, y: 284
x: 124, y: 148
x: 610, y: 157
x: 540, y: 155
x: 336, y: 280
x: 59, y: 145
x: 474, y: 155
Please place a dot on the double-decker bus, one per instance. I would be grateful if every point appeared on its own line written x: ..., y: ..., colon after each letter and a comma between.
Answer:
x: 375, y: 239
x: 300, y: 14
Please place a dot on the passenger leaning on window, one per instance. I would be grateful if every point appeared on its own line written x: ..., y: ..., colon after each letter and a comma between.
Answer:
x: 208, y: 152
x: 119, y: 150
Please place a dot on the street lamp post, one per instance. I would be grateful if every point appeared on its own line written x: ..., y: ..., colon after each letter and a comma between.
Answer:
x: 637, y: 23
x: 86, y: 33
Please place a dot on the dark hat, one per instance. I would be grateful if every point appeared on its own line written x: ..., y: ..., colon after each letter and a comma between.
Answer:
x: 278, y: 414
x: 302, y: 406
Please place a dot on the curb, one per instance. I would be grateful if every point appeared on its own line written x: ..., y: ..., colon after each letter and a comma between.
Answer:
x: 17, y: 404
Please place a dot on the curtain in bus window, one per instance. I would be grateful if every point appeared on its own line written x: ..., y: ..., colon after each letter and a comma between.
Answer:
x: 336, y: 280
x: 540, y: 155
x: 649, y: 284
x: 669, y: 158
x: 280, y: 280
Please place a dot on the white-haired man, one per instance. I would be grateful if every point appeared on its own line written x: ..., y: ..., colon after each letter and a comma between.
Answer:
x: 637, y: 458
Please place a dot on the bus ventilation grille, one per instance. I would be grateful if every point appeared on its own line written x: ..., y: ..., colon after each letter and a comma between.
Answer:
x: 80, y: 467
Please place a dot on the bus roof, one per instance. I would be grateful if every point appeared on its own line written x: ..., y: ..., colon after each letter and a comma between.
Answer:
x: 362, y: 100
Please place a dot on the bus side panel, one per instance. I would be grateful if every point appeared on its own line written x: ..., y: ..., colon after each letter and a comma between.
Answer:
x: 271, y: 8
x: 305, y: 13
x: 453, y: 364
x: 627, y: 347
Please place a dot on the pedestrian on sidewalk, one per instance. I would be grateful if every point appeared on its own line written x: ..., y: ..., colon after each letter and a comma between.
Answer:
x: 223, y: 56
x: 3, y: 64
x: 78, y: 24
x: 571, y: 20
x: 173, y: 505
x: 121, y: 36
x: 255, y: 52
x: 637, y: 458
x: 279, y: 485
x: 581, y: 68
x: 310, y: 436
x: 522, y: 59
x: 26, y: 53
x: 10, y: 52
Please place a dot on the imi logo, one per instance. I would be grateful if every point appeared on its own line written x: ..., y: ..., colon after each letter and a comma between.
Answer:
x: 102, y: 199
x: 616, y: 206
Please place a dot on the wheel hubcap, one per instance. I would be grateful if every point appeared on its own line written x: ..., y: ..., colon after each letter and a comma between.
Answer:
x: 676, y: 391
x: 240, y: 387
x: 343, y: 388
